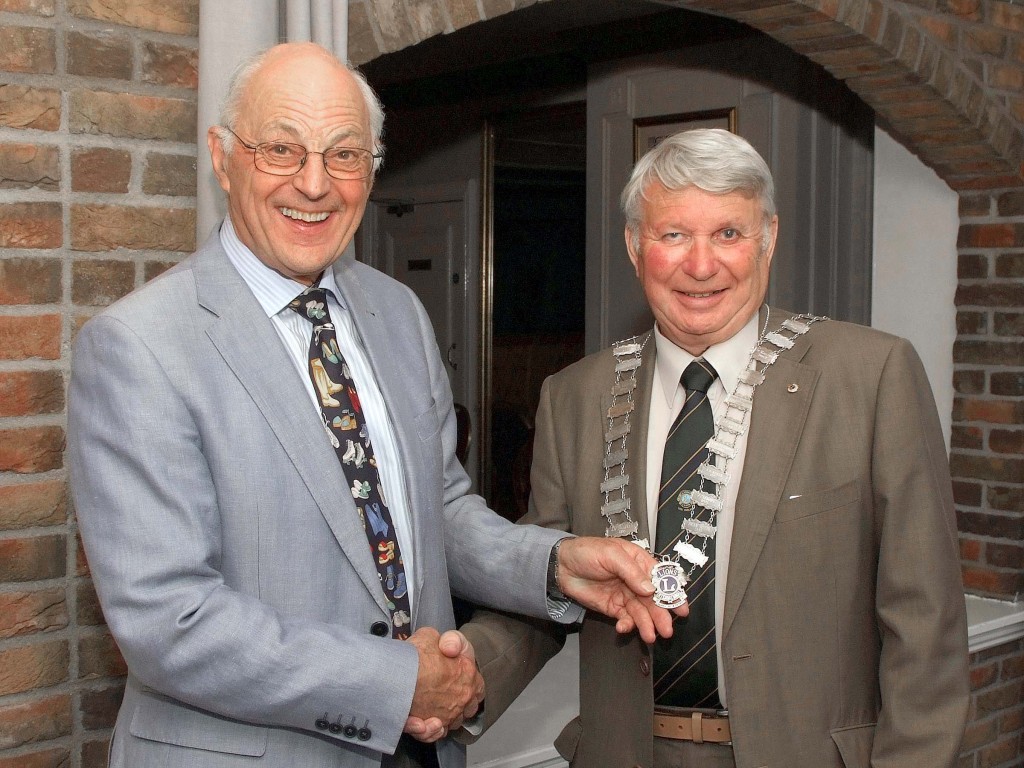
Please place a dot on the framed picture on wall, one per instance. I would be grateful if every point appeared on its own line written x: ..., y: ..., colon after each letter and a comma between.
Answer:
x: 648, y: 131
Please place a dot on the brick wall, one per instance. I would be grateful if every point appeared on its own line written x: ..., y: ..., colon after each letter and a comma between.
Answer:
x: 97, y: 194
x: 993, y: 735
x: 97, y: 179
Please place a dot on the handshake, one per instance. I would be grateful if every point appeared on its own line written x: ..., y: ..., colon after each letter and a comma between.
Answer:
x: 610, y: 576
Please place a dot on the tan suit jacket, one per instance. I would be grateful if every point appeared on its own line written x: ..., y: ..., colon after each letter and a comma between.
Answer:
x: 844, y: 632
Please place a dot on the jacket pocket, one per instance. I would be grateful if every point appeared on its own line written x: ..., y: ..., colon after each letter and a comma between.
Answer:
x: 816, y: 502
x: 427, y: 424
x: 162, y: 719
x: 854, y: 744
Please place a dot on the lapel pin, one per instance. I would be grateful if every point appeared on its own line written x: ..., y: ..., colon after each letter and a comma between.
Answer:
x: 792, y: 388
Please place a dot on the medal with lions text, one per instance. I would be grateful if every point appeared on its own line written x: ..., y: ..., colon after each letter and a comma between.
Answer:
x: 669, y: 578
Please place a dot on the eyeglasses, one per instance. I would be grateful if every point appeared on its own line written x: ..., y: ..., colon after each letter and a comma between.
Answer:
x: 280, y: 158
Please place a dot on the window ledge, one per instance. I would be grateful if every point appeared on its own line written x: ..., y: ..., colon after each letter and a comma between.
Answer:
x: 992, y: 622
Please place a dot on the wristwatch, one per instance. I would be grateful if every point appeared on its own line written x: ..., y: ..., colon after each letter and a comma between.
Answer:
x: 553, y: 591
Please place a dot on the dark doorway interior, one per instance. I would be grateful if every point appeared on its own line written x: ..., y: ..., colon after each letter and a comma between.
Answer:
x: 539, y: 270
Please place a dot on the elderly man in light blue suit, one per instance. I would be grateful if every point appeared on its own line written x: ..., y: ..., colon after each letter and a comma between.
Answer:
x: 227, y: 550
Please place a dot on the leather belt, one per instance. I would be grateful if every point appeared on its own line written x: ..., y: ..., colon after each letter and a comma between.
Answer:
x: 693, y: 725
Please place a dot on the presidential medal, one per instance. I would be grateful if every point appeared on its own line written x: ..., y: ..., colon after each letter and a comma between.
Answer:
x: 669, y: 578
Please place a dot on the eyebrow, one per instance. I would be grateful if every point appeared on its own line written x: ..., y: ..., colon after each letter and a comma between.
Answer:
x: 342, y: 135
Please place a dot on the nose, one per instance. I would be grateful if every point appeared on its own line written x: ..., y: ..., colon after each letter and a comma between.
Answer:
x: 701, y: 262
x: 312, y: 179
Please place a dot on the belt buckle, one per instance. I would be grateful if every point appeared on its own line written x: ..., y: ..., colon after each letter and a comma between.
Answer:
x: 724, y: 713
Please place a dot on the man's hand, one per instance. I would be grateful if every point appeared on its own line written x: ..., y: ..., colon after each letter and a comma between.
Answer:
x: 449, y: 688
x: 613, y: 577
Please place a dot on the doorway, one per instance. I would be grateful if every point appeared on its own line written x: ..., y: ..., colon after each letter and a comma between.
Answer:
x: 536, y: 259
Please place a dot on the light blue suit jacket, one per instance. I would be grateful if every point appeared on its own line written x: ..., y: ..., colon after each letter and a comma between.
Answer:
x: 227, y: 552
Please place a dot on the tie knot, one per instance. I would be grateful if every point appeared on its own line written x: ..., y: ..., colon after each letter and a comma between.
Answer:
x: 312, y: 305
x: 698, y: 376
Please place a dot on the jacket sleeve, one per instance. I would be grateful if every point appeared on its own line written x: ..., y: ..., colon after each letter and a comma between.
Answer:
x: 923, y: 677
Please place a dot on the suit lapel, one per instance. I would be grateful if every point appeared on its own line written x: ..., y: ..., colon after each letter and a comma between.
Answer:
x: 780, y: 409
x: 240, y: 328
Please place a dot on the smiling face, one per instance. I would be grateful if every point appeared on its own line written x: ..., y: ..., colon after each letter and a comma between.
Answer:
x: 702, y: 262
x: 297, y: 225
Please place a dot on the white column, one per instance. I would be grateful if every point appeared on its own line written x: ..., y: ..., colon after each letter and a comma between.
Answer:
x: 229, y: 32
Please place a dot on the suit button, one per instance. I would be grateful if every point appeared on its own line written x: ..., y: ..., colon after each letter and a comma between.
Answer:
x: 380, y: 629
x: 645, y: 666
x: 350, y: 731
x: 322, y: 724
x: 334, y: 728
x: 364, y: 734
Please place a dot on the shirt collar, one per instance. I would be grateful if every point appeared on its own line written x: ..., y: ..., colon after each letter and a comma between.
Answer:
x: 272, y: 290
x: 729, y: 358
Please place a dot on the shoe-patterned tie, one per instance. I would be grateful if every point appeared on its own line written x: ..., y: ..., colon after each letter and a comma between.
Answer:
x: 686, y: 665
x: 346, y: 428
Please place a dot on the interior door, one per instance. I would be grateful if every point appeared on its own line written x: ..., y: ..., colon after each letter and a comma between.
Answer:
x: 420, y: 240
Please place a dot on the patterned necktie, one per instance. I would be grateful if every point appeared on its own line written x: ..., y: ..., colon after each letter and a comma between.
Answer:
x: 686, y: 665
x: 346, y: 428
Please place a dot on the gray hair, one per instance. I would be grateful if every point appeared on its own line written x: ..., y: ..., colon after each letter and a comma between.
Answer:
x: 711, y: 159
x: 231, y: 108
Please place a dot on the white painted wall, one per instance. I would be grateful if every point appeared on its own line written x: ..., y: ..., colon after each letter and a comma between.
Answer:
x: 915, y: 257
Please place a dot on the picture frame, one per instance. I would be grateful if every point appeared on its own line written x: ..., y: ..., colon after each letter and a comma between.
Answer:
x: 648, y: 131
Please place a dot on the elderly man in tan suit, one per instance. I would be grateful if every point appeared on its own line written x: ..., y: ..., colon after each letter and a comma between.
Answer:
x: 790, y: 474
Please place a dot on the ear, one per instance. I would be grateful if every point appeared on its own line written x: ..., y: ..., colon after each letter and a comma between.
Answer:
x: 773, y: 230
x: 219, y: 157
x: 634, y: 255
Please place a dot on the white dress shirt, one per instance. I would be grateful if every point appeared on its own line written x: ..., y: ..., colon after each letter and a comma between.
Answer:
x: 667, y: 396
x: 274, y: 292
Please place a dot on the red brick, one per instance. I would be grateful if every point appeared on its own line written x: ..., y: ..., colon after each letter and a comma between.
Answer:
x: 99, y: 707
x: 969, y: 382
x: 81, y: 564
x: 970, y: 549
x: 31, y: 505
x: 39, y: 665
x: 1007, y: 16
x: 1000, y: 584
x: 32, y: 336
x: 30, y: 281
x: 975, y: 205
x: 1007, y: 441
x: 170, y: 175
x: 1008, y: 384
x: 129, y: 115
x: 99, y: 54
x: 27, y: 107
x: 1005, y: 498
x: 87, y: 605
x: 106, y: 227
x: 30, y: 450
x: 1010, y: 265
x: 98, y: 283
x: 1000, y: 235
x: 990, y: 411
x: 25, y: 613
x: 38, y: 7
x: 49, y: 758
x: 180, y: 18
x: 1012, y: 668
x: 967, y: 437
x: 98, y: 656
x: 971, y: 323
x: 966, y: 494
x: 97, y: 169
x: 24, y: 166
x: 30, y: 393
x: 991, y: 525
x: 979, y: 734
x: 1004, y: 555
x: 33, y: 558
x: 31, y: 225
x: 1004, y: 470
x: 1000, y: 753
x: 990, y: 295
x: 28, y: 49
x: 984, y: 675
x: 165, y: 64
x: 94, y: 753
x: 154, y: 268
x: 35, y: 721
